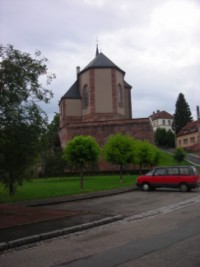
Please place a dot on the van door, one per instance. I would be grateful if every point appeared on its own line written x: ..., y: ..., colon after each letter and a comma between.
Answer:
x: 173, y: 177
x: 159, y: 177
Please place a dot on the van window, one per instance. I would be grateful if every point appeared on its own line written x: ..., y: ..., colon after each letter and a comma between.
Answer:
x: 184, y: 171
x: 173, y: 171
x: 194, y: 170
x: 160, y: 171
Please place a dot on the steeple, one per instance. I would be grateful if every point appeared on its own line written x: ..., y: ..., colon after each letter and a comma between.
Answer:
x: 97, y: 51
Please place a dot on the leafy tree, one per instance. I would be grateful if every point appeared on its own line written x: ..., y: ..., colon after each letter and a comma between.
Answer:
x: 22, y: 121
x: 170, y: 139
x: 160, y: 137
x: 164, y: 138
x: 146, y: 154
x: 119, y: 150
x: 182, y: 113
x: 52, y: 161
x: 80, y: 151
x: 179, y: 155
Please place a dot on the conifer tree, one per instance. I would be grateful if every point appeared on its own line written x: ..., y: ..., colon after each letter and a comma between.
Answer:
x: 182, y: 113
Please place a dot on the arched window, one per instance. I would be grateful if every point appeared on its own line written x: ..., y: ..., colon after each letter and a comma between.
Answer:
x: 120, y: 96
x: 85, y: 97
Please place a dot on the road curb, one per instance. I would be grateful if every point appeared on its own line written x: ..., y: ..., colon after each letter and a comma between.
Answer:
x: 65, y: 231
x: 60, y: 200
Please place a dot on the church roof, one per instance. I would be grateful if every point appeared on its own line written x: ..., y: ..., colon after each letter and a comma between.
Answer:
x: 127, y: 85
x: 101, y: 61
x: 73, y: 92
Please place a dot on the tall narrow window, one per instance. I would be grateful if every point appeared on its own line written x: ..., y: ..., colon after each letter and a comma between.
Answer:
x: 120, y: 96
x: 85, y: 97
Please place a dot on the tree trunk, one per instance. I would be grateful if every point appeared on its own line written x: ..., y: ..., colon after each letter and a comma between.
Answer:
x: 81, y: 178
x: 11, y: 185
x: 121, y: 173
x: 140, y: 169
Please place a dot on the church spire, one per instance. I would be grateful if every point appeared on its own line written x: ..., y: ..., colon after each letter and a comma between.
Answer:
x: 97, y: 51
x: 97, y: 48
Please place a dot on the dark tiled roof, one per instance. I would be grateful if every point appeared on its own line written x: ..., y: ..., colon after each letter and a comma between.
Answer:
x: 127, y: 85
x: 101, y: 61
x: 161, y: 115
x: 190, y: 127
x: 73, y: 92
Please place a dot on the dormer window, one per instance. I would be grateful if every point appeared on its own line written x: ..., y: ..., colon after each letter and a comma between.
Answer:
x: 85, y: 97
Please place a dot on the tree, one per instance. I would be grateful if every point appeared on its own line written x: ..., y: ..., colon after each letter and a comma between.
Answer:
x: 22, y: 121
x: 164, y: 138
x: 179, y: 155
x: 146, y: 154
x: 160, y: 137
x: 170, y: 139
x: 80, y: 151
x: 52, y: 162
x: 182, y: 113
x: 119, y: 150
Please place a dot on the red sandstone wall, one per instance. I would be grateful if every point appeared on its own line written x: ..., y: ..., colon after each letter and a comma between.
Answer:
x: 138, y: 128
x: 101, y: 130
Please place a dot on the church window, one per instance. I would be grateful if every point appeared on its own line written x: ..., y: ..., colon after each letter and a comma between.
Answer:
x: 120, y: 96
x: 85, y: 97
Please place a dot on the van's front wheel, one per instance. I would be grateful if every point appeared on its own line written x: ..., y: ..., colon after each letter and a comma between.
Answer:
x: 183, y: 187
x: 145, y: 187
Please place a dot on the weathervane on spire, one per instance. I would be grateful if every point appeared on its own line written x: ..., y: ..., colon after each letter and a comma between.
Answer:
x: 97, y: 49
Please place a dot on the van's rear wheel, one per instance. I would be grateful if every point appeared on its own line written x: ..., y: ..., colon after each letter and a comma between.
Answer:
x: 146, y: 187
x: 183, y: 187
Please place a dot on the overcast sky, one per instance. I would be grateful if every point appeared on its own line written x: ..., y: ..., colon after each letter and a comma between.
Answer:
x: 156, y: 42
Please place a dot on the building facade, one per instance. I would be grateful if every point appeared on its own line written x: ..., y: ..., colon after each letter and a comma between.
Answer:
x: 188, y: 137
x: 161, y: 119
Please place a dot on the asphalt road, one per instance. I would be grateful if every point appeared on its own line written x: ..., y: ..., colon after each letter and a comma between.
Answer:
x: 159, y: 229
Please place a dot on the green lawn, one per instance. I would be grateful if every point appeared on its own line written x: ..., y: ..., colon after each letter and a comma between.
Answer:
x: 168, y: 160
x: 52, y: 187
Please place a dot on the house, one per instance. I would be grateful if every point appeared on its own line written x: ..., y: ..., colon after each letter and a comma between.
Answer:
x: 99, y: 104
x: 161, y: 119
x: 188, y: 137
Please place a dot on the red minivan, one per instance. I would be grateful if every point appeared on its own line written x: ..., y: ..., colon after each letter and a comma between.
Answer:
x: 183, y: 177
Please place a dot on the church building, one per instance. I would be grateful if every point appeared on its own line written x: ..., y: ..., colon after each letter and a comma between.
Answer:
x: 99, y: 104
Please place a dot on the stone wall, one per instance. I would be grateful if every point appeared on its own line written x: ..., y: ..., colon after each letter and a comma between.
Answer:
x: 138, y: 128
x: 101, y: 130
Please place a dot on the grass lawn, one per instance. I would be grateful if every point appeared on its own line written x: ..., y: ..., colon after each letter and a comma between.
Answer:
x: 168, y: 160
x: 52, y: 187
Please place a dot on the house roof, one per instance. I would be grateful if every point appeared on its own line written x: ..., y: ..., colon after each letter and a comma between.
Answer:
x: 161, y: 115
x: 101, y: 61
x: 73, y: 92
x: 190, y: 127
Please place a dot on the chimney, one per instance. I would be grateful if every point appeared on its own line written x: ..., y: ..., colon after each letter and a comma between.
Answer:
x: 77, y: 71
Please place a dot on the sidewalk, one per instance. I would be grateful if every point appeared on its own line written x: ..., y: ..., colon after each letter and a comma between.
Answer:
x: 29, y: 221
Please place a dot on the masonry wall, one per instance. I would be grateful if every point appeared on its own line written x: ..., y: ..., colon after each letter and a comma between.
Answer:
x: 101, y: 130
x: 138, y: 128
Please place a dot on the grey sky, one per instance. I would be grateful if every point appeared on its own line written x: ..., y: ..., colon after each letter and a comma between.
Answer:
x: 157, y: 44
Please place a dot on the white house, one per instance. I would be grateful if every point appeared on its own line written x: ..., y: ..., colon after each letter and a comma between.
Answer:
x: 161, y: 119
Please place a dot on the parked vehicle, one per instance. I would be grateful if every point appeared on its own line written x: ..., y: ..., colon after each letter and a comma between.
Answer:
x: 183, y: 177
